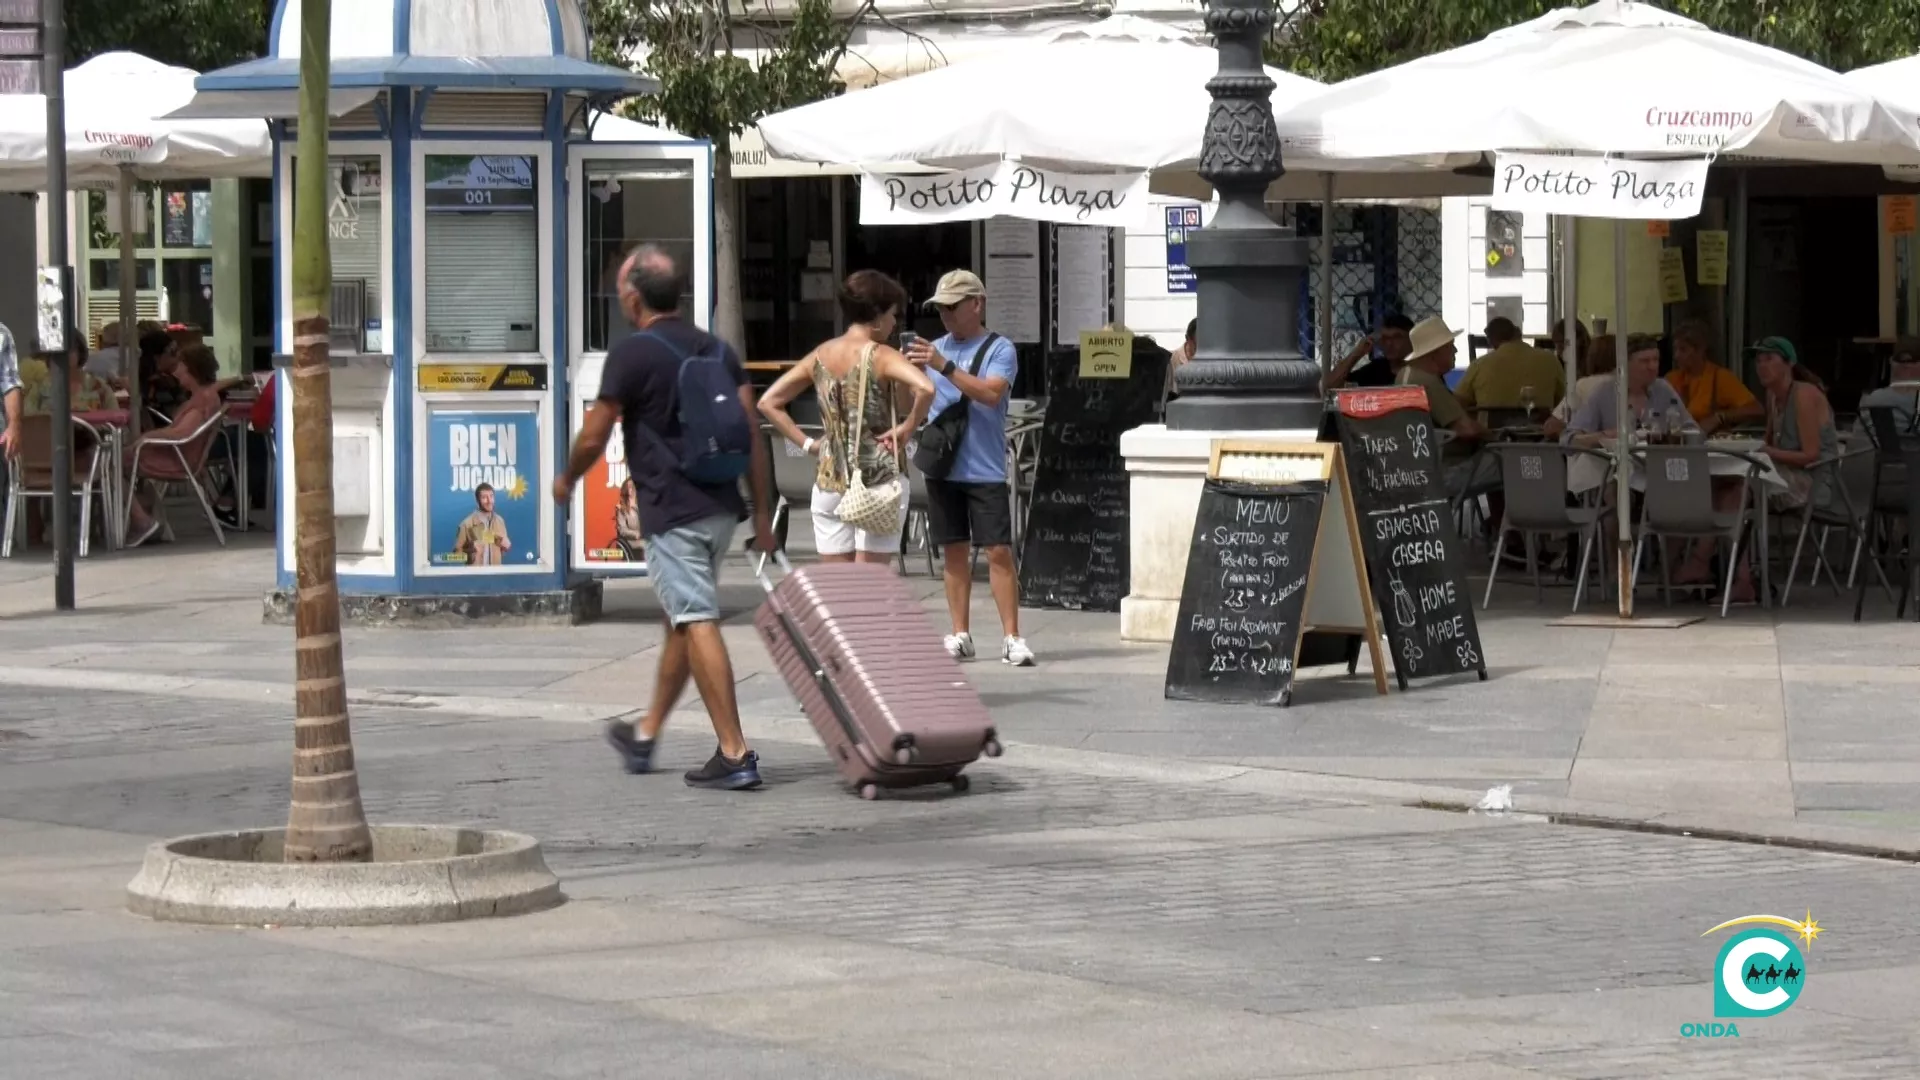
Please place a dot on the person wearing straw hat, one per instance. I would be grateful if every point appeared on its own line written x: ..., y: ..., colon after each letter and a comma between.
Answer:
x: 1432, y: 356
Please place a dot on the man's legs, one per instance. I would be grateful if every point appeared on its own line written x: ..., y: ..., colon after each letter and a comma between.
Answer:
x: 684, y: 566
x: 1006, y: 587
x: 990, y: 514
x: 713, y: 677
x: 957, y: 570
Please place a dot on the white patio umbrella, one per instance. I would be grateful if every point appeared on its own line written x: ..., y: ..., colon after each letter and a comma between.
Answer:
x: 115, y: 105
x: 1896, y: 82
x: 1122, y: 94
x: 1613, y: 78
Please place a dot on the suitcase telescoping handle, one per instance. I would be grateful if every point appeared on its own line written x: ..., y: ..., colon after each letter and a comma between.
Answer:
x: 760, y: 569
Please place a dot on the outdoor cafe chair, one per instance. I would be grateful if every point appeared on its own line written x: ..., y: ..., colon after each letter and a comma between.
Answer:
x: 166, y: 462
x: 794, y: 471
x: 1535, y: 478
x: 1893, y: 508
x: 1678, y: 505
x: 30, y: 476
x: 1852, y: 516
x: 918, y: 523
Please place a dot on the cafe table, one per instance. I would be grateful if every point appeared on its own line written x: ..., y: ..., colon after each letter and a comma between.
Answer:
x: 1743, y: 455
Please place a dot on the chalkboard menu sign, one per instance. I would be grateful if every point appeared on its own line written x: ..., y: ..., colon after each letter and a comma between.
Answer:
x: 1406, y: 530
x: 1075, y: 550
x: 1245, y: 596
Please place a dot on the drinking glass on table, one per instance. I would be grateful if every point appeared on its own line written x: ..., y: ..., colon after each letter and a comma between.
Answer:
x: 1527, y: 402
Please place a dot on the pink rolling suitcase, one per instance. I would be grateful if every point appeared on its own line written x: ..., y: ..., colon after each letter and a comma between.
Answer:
x: 859, y: 652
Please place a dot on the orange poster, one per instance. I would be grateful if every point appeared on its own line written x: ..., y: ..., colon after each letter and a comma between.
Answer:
x: 609, y: 522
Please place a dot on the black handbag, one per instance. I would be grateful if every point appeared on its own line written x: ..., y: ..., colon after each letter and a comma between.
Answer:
x: 938, y: 441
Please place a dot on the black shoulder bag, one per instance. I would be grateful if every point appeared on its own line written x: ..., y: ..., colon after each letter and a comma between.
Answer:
x: 939, y: 440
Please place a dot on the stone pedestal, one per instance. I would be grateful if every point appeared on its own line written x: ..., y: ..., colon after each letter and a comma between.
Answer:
x: 1165, y: 471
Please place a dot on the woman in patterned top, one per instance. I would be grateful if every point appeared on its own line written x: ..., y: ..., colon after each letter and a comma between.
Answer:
x: 898, y: 397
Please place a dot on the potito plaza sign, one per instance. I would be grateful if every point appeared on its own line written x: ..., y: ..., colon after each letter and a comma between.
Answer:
x: 1003, y: 189
x: 1599, y: 187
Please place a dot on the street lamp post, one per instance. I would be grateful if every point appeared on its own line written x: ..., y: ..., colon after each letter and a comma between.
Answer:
x: 1248, y: 373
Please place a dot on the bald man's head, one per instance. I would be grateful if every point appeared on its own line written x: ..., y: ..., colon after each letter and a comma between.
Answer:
x: 650, y: 284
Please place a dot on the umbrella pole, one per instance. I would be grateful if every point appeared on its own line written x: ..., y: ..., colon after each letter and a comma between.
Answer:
x: 1569, y: 300
x: 129, y: 312
x: 1737, y: 278
x: 1324, y: 309
x: 1623, y: 425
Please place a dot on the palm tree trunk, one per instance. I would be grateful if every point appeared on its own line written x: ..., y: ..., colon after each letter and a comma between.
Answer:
x: 325, y: 822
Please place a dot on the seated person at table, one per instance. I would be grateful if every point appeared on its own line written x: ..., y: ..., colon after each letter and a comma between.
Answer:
x: 1503, y: 378
x: 196, y: 374
x: 1800, y: 431
x: 1393, y: 342
x: 1465, y: 470
x: 1596, y: 371
x: 87, y: 393
x: 1597, y: 422
x: 1715, y: 397
x: 159, y: 362
x: 1902, y: 394
x: 1800, y: 428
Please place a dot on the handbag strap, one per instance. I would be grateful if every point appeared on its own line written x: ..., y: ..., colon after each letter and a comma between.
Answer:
x: 860, y: 412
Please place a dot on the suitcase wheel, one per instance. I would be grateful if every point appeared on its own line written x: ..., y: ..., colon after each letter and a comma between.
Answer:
x: 869, y: 792
x: 961, y: 783
x: 903, y: 756
x: 993, y: 748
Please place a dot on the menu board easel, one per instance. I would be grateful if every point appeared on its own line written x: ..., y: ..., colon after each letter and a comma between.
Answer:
x: 1253, y: 659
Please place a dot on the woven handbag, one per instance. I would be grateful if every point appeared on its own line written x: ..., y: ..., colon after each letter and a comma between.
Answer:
x: 874, y: 510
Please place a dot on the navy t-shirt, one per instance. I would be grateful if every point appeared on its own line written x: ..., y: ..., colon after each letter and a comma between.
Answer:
x: 1378, y: 371
x: 642, y: 376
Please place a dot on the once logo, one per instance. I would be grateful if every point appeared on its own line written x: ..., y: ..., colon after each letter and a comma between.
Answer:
x: 1761, y: 971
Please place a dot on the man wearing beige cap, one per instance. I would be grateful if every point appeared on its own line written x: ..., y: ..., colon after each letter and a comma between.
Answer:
x: 967, y: 497
x: 1466, y: 471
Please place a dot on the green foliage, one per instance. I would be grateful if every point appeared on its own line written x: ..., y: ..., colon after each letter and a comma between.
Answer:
x: 706, y: 90
x: 1333, y: 40
x: 198, y: 34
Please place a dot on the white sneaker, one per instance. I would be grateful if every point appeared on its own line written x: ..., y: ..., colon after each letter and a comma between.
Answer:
x: 960, y: 645
x: 1016, y: 653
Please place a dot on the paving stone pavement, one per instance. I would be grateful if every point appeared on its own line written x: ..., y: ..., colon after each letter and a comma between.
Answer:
x: 1066, y: 921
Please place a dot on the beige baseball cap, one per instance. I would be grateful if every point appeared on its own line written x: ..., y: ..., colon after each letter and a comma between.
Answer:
x: 955, y: 286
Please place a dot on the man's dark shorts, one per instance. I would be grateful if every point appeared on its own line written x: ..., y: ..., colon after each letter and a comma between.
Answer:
x: 957, y: 513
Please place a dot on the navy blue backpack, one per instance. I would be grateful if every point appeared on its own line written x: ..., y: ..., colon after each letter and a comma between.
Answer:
x: 716, y: 436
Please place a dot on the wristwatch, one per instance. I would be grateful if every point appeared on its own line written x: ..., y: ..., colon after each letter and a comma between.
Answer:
x: 947, y: 369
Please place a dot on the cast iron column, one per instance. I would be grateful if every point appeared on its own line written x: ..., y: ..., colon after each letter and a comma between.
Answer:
x: 1248, y: 374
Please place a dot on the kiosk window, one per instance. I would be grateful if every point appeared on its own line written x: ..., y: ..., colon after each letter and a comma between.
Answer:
x: 356, y: 220
x: 626, y: 204
x: 483, y: 263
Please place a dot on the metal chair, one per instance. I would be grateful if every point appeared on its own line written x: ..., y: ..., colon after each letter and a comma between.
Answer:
x: 166, y: 462
x: 1535, y: 478
x: 918, y: 524
x: 30, y: 476
x: 1895, y: 501
x: 1851, y: 516
x: 1679, y: 505
x: 794, y: 471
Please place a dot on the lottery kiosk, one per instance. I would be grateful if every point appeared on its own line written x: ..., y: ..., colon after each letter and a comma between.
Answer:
x: 481, y: 201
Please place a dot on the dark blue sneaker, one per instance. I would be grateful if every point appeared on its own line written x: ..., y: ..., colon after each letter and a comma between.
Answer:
x: 724, y: 774
x: 634, y: 750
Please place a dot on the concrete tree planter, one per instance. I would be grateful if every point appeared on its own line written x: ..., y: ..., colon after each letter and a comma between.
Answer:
x: 419, y: 874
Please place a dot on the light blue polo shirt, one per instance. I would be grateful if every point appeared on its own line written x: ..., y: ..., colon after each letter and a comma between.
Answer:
x: 983, y: 453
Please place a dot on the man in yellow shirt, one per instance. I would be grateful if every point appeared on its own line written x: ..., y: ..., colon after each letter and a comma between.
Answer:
x: 1715, y: 396
x: 1499, y: 380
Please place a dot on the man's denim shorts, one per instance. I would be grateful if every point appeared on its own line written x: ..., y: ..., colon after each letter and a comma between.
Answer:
x: 684, y: 564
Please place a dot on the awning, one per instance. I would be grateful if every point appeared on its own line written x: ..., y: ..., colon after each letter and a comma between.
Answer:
x: 491, y: 73
x: 264, y: 104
